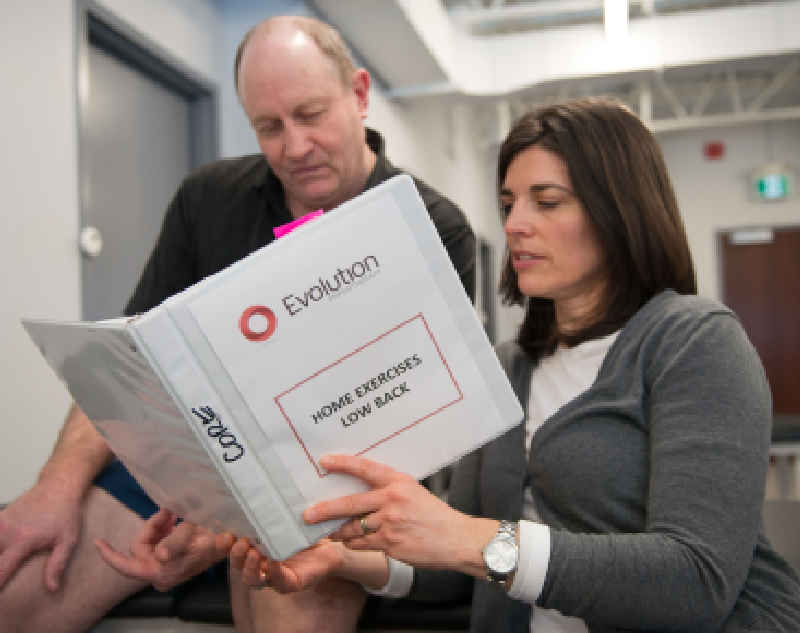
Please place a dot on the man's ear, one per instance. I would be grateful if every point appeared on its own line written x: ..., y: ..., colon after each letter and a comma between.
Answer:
x: 360, y: 85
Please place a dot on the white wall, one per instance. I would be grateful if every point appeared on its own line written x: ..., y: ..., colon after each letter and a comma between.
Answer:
x: 713, y: 195
x: 39, y: 196
x: 188, y: 30
x: 38, y: 223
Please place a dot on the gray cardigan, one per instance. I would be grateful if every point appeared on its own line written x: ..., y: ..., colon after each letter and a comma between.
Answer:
x: 652, y: 482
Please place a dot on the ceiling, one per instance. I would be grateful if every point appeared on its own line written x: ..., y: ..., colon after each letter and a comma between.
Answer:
x: 686, y: 62
x: 499, y: 17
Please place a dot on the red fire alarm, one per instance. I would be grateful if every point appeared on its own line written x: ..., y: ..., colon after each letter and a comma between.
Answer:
x: 714, y: 150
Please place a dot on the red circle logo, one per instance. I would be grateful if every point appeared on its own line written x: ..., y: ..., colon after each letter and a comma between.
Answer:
x: 244, y: 323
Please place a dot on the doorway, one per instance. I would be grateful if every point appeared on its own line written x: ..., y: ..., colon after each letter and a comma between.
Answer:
x: 145, y: 124
x: 761, y: 284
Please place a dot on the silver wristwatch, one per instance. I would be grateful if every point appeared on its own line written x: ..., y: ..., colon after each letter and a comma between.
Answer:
x: 501, y: 554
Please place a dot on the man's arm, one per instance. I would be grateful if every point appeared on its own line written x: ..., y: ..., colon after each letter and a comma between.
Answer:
x: 49, y: 515
x: 80, y: 453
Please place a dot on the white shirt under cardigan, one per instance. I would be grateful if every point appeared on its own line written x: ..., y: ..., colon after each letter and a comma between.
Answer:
x: 556, y: 380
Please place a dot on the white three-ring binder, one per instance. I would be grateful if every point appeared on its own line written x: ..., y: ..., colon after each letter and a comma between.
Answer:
x: 352, y: 335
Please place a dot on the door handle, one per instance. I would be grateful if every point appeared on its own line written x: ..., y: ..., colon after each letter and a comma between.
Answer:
x: 91, y: 242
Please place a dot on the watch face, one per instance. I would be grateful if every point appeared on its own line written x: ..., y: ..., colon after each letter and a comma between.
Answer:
x: 501, y: 557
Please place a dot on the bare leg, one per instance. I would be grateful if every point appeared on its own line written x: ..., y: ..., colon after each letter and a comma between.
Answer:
x: 331, y: 607
x: 90, y: 587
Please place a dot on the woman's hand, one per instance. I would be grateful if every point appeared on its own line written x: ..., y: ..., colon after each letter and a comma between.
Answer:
x: 302, y: 571
x: 403, y: 520
x: 165, y: 554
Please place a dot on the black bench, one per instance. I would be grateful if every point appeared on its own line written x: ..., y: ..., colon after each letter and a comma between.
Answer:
x: 207, y: 601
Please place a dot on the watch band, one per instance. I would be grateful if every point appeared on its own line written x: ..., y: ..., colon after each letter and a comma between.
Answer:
x: 506, y: 532
x: 507, y: 529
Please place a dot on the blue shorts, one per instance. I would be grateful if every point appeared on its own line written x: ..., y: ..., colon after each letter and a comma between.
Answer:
x: 120, y: 484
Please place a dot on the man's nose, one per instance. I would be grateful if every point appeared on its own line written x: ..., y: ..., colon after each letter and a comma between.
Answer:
x: 297, y: 142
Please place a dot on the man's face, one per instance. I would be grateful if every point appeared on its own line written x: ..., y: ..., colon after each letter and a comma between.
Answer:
x: 309, y: 126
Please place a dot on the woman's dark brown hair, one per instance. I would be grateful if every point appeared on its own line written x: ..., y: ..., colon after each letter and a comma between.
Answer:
x: 619, y: 175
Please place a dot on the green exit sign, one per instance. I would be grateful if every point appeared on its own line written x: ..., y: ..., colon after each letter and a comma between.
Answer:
x: 772, y: 182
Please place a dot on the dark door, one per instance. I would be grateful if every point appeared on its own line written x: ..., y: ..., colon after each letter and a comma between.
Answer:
x: 761, y: 284
x: 136, y: 148
x: 146, y: 123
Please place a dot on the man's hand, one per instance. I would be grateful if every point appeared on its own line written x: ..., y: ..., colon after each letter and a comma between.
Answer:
x: 41, y: 519
x: 165, y: 554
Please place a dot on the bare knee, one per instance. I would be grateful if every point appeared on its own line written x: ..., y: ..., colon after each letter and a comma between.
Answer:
x: 88, y: 588
x: 25, y: 603
x: 333, y: 606
x: 23, y: 592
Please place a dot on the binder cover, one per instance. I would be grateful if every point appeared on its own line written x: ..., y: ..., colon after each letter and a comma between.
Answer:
x: 352, y: 334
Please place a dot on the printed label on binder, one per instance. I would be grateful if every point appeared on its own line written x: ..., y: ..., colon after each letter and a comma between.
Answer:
x: 376, y: 392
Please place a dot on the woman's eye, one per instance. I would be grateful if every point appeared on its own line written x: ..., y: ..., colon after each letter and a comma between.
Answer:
x: 547, y: 204
x: 506, y: 207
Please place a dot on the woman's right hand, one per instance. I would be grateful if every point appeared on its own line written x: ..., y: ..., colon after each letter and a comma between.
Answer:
x: 402, y: 519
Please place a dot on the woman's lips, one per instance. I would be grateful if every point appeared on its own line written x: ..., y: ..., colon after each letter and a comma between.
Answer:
x: 522, y: 260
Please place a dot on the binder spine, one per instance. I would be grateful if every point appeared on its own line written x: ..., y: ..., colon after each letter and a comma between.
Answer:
x: 205, y: 412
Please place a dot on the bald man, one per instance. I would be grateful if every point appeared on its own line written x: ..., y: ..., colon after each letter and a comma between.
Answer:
x: 306, y: 103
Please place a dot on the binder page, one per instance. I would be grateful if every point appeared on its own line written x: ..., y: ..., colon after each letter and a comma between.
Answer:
x: 124, y: 398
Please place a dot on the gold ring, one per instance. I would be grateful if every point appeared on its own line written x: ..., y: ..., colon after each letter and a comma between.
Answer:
x: 264, y: 580
x: 364, y: 527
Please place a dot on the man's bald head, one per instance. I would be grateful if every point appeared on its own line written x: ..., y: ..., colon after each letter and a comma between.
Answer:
x: 307, y: 104
x: 327, y: 39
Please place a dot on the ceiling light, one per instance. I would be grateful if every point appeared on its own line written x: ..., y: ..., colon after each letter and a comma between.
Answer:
x: 616, y: 19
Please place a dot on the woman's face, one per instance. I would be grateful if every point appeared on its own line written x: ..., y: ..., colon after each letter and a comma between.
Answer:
x: 555, y: 252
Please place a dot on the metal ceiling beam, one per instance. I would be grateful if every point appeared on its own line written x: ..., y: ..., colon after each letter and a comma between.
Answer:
x: 718, y: 120
x: 776, y: 86
x: 438, y: 89
x: 733, y: 91
x: 490, y: 122
x: 677, y: 107
x: 705, y: 96
x: 498, y: 12
x: 509, y: 13
x: 645, y: 102
x: 688, y: 111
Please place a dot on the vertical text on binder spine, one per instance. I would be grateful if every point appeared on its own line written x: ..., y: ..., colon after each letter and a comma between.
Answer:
x: 232, y: 450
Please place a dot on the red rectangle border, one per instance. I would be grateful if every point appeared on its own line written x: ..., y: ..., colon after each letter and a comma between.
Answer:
x: 353, y: 353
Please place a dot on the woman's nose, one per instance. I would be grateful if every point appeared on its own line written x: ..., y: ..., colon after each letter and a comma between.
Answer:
x: 516, y: 223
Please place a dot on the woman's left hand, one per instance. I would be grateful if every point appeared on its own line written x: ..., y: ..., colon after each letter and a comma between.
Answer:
x: 302, y: 571
x: 401, y: 518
